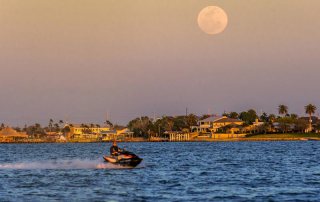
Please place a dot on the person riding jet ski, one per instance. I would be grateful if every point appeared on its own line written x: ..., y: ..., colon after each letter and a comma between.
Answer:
x: 122, y: 157
x: 115, y: 150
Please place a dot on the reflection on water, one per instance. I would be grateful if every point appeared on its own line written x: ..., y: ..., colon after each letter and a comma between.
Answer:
x: 238, y: 171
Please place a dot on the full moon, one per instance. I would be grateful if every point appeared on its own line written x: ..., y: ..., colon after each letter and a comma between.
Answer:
x: 212, y: 20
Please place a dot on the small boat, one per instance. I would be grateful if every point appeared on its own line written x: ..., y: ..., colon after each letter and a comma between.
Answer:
x: 126, y: 159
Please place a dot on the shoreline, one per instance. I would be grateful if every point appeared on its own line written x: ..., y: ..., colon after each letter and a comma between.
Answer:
x: 247, y: 139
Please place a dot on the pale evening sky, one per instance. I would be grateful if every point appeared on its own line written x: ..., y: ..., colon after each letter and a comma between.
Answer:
x: 79, y: 59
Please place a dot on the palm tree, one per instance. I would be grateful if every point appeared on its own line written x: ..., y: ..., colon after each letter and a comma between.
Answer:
x: 50, y: 124
x: 56, y: 127
x: 310, y: 109
x: 61, y: 122
x: 283, y: 109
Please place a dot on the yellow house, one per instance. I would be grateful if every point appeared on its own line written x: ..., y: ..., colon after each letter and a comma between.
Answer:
x: 80, y: 129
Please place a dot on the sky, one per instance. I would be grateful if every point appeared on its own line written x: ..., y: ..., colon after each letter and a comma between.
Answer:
x: 87, y: 60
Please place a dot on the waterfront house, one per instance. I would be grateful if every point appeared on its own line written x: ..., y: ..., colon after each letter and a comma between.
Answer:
x: 283, y: 127
x: 231, y: 128
x: 214, y: 123
x: 8, y: 134
x: 121, y: 135
x: 81, y: 129
x: 108, y: 135
x: 124, y: 134
x: 255, y: 126
x: 84, y: 132
x: 95, y: 132
x: 55, y: 137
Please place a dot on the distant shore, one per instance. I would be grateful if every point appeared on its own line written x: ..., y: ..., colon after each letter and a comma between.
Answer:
x: 249, y: 138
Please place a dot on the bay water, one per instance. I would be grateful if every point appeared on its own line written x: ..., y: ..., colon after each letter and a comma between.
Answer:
x: 170, y: 171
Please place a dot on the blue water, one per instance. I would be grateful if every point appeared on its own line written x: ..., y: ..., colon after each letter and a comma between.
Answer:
x: 236, y: 171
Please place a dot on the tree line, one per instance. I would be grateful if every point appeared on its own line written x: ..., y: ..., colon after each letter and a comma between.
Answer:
x: 145, y: 126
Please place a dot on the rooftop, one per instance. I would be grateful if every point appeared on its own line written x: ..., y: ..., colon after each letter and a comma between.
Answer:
x: 212, y: 118
x: 9, y: 132
x: 223, y: 120
x: 77, y: 125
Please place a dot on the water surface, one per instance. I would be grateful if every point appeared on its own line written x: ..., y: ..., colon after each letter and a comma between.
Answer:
x: 238, y: 171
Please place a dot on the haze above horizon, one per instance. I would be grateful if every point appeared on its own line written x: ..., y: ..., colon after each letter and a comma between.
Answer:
x: 81, y: 59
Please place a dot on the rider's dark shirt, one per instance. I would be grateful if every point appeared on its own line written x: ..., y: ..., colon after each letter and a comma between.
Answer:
x: 114, y: 150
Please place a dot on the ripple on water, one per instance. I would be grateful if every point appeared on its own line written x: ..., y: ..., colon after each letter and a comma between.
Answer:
x: 170, y: 172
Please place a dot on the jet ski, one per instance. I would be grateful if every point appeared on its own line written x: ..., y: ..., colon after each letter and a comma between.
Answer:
x: 126, y: 159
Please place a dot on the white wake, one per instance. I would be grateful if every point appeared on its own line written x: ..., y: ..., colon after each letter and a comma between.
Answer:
x: 61, y: 164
